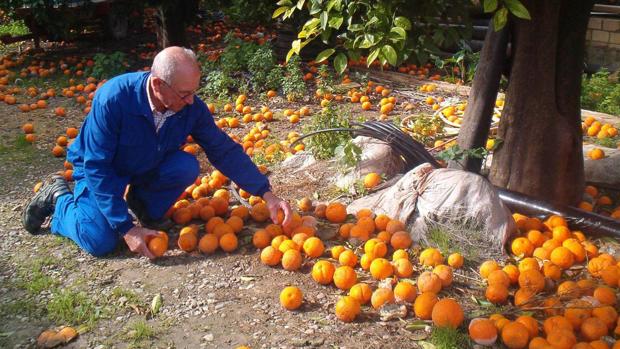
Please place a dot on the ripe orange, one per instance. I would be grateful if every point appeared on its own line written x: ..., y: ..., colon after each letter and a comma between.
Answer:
x: 429, y: 282
x: 228, y: 242
x: 291, y: 259
x: 291, y: 298
x: 483, y: 331
x: 497, y: 293
x: 447, y: 313
x: 515, y: 335
x: 455, y: 260
x: 323, y: 272
x: 361, y: 292
x: 403, y: 268
x: 431, y: 257
x: 270, y: 256
x: 313, y: 247
x: 336, y: 212
x: 381, y: 296
x: 345, y: 277
x: 380, y: 268
x: 371, y: 180
x: 347, y: 309
x: 423, y: 305
x: 405, y: 291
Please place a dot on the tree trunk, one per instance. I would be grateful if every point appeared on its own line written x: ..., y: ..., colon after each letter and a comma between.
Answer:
x: 542, y: 151
x: 171, y: 18
x: 481, y: 102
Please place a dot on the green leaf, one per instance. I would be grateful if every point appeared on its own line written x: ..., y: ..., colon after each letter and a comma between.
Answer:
x: 369, y: 41
x: 300, y: 4
x: 490, y: 5
x: 373, y: 56
x: 290, y: 54
x: 334, y: 3
x: 390, y: 54
x: 279, y: 11
x: 402, y: 22
x: 285, y: 3
x: 302, y: 34
x: 324, y: 19
x: 372, y: 21
x: 399, y: 31
x: 335, y: 22
x: 325, y: 54
x: 355, y: 27
x: 500, y: 18
x: 340, y: 63
x: 296, y: 46
x: 516, y: 8
x: 156, y: 304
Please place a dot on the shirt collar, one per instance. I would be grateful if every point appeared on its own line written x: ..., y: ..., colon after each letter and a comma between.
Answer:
x: 148, y: 94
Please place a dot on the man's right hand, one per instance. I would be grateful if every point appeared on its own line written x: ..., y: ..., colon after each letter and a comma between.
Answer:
x: 136, y: 239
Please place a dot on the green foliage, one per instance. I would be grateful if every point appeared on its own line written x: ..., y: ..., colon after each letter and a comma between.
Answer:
x: 461, y: 66
x: 73, y: 308
x: 237, y: 54
x: 425, y: 128
x: 109, y: 65
x: 140, y: 331
x: 609, y: 142
x: 323, y: 145
x: 449, y: 338
x: 348, y: 155
x: 14, y: 28
x: 293, y: 84
x: 275, y: 78
x: 502, y: 8
x: 260, y: 65
x: 455, y: 153
x: 600, y: 93
x: 325, y: 79
x: 242, y: 11
x: 217, y: 84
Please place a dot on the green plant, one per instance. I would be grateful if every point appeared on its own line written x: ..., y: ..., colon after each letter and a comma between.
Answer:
x: 455, y: 153
x: 348, y: 154
x: 109, y: 65
x: 323, y: 145
x: 293, y: 84
x: 325, y: 79
x: 600, y: 93
x: 260, y: 65
x: 14, y: 28
x: 73, y: 307
x: 140, y: 331
x: 425, y: 128
x: 275, y: 78
x: 241, y: 11
x: 449, y: 338
x: 217, y: 84
x: 383, y: 29
x: 237, y: 54
x: 460, y: 66
x: 610, y: 142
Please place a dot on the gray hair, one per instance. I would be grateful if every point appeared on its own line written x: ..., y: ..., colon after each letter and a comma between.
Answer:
x: 170, y: 60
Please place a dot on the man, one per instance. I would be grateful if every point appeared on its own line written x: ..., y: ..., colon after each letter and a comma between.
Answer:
x: 132, y: 136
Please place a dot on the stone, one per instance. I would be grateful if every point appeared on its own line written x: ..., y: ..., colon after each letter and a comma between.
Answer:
x: 604, y: 171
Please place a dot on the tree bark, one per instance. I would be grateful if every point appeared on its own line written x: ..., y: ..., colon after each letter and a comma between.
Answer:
x: 481, y: 102
x: 542, y: 151
x: 172, y: 17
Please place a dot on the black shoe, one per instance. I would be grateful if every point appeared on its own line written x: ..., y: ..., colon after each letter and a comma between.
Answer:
x: 139, y: 210
x: 42, y: 203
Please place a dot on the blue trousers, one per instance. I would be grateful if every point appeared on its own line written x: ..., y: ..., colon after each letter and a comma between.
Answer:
x: 77, y: 217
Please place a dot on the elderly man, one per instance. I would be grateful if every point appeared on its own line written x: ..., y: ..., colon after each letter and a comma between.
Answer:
x: 132, y: 136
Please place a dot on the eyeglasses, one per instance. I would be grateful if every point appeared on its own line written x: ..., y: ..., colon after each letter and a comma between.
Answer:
x: 184, y: 98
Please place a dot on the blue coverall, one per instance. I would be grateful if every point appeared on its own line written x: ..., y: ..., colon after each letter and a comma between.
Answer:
x: 118, y: 145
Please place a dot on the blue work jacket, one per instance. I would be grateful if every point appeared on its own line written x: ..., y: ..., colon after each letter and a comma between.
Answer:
x: 118, y: 142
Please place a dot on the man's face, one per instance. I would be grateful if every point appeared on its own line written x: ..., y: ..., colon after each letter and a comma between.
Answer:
x: 179, y: 92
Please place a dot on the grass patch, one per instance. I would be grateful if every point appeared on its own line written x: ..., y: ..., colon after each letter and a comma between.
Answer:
x: 73, y: 308
x: 19, y: 153
x: 24, y: 307
x: 14, y: 28
x: 32, y: 277
x: 140, y: 332
x: 448, y: 338
x: 132, y: 297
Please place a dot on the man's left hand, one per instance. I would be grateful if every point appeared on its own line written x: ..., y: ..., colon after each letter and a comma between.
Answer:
x: 275, y: 204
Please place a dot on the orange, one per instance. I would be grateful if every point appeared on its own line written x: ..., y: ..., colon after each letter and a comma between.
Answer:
x: 208, y: 243
x: 380, y: 268
x: 513, y: 273
x: 445, y: 274
x: 260, y: 212
x: 345, y: 277
x: 188, y: 241
x: 323, y: 272
x: 561, y: 233
x: 499, y: 277
x: 555, y: 323
x: 381, y: 222
x: 482, y: 331
x: 394, y: 225
x: 361, y: 292
x: 403, y: 268
x: 431, y: 257
x: 158, y: 246
x: 561, y: 339
x: 429, y: 282
x: 400, y: 239
x: 222, y: 229
x: 562, y: 257
x: 337, y: 250
x: 447, y: 313
x: 515, y: 335
x: 497, y: 294
x: 523, y: 297
x: 405, y: 291
x: 455, y: 260
x: 261, y: 239
x: 347, y: 309
x: 228, y: 242
x: 605, y: 295
x: 487, y: 267
x: 607, y: 314
x: 291, y: 259
x: 270, y: 256
x: 291, y: 298
x: 313, y: 247
x: 336, y: 212
x: 423, y: 305
x: 375, y: 247
x: 530, y: 323
x: 532, y: 280
x: 371, y: 180
x: 347, y: 257
x: 577, y: 311
x: 522, y: 247
x: 400, y: 254
x: 381, y: 296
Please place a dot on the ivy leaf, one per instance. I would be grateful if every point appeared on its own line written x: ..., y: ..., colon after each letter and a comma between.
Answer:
x: 490, y: 5
x: 279, y: 11
x: 285, y: 3
x: 400, y: 32
x: 516, y: 8
x: 390, y: 54
x: 324, y: 17
x: 355, y: 27
x: 300, y: 4
x: 500, y: 18
x: 340, y: 63
x: 402, y: 22
x: 325, y: 54
x: 290, y: 54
